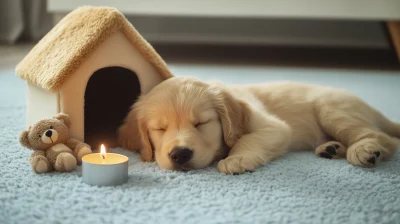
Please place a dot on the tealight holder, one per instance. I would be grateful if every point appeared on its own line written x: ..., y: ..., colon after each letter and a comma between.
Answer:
x: 104, y: 169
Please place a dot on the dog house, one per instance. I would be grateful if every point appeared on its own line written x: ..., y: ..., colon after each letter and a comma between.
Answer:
x: 92, y: 65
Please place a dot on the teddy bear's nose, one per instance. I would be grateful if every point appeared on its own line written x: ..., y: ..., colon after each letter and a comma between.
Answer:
x: 49, y: 133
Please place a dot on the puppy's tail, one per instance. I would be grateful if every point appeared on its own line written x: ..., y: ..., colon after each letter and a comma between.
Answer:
x: 389, y: 127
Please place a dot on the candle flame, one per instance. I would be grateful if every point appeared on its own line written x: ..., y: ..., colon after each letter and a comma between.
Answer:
x: 103, y: 151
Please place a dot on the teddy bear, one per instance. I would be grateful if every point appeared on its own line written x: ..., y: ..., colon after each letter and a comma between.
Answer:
x: 53, y: 148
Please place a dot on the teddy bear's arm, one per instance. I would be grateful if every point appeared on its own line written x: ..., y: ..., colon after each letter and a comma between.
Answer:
x: 38, y: 153
x: 72, y: 143
x: 80, y: 149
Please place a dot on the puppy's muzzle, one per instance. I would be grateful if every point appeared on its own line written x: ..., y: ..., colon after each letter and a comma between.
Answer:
x: 180, y: 155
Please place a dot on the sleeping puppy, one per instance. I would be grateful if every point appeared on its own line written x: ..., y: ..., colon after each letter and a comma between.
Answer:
x: 185, y: 124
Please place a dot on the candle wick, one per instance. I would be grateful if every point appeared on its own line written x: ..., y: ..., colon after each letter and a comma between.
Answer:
x: 103, y: 156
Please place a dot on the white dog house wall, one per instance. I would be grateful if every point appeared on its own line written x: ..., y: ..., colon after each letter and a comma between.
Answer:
x: 93, y: 65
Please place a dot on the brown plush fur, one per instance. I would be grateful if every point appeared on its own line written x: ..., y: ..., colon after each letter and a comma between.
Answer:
x: 70, y: 42
x: 56, y: 152
x: 258, y: 123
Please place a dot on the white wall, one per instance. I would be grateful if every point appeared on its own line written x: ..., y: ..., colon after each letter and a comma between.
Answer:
x: 317, y: 9
x: 336, y: 23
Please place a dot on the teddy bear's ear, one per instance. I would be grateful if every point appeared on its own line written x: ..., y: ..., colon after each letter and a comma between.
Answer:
x: 63, y: 118
x: 23, y: 139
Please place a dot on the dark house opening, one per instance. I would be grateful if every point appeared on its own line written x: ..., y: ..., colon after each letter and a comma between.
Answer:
x: 109, y: 95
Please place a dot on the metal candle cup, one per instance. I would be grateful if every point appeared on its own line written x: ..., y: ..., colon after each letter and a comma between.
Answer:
x: 104, y: 169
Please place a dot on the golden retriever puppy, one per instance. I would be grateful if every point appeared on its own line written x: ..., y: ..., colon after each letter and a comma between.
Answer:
x: 185, y: 123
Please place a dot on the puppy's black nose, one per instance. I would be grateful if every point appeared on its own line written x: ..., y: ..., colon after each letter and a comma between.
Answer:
x: 49, y: 133
x: 180, y: 155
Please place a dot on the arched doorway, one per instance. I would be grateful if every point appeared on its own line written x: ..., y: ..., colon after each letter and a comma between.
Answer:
x: 109, y: 95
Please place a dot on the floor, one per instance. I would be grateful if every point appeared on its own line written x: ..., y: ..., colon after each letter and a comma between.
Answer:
x: 10, y: 55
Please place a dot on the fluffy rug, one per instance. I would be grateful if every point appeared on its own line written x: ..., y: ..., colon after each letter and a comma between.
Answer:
x: 299, y: 188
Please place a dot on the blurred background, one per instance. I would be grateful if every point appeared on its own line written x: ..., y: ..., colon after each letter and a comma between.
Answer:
x: 330, y: 33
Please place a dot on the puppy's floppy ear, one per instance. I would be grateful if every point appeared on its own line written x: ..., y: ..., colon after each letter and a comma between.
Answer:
x: 128, y: 133
x: 133, y: 135
x: 147, y: 149
x: 234, y: 114
x: 23, y: 138
x: 63, y: 118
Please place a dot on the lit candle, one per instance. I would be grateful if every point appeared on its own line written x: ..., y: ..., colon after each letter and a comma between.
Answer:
x: 104, y: 169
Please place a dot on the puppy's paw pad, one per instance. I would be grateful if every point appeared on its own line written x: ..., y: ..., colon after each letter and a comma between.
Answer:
x: 331, y: 150
x: 363, y: 159
x: 372, y: 160
x: 325, y: 155
x: 365, y: 153
x: 377, y: 154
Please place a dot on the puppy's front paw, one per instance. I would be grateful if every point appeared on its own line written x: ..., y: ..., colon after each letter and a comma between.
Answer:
x: 365, y: 153
x: 236, y: 165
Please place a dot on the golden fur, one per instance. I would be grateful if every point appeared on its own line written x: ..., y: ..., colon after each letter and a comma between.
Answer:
x: 246, y: 126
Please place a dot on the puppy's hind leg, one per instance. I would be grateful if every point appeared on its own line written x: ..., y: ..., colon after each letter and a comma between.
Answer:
x: 356, y: 125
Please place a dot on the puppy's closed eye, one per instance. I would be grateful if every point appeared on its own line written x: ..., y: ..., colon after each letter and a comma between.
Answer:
x: 198, y: 124
x: 159, y: 129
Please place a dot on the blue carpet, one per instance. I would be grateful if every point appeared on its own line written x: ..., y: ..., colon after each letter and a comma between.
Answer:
x: 299, y: 188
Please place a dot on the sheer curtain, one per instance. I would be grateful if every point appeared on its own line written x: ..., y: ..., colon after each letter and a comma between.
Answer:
x: 23, y: 20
